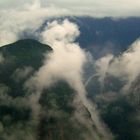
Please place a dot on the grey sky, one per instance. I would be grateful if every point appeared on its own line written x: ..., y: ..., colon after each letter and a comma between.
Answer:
x: 98, y: 8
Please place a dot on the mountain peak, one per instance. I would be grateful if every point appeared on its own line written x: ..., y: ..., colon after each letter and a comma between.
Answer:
x: 25, y: 52
x: 29, y: 43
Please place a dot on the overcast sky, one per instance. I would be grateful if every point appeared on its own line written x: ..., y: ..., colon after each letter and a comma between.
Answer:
x: 96, y: 8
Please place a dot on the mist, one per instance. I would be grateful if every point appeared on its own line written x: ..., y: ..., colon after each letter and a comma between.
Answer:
x: 125, y: 66
x: 29, y: 16
x: 65, y: 63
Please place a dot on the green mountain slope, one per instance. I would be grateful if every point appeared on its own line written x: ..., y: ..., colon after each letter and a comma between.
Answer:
x: 20, y: 58
x: 25, y: 53
x: 56, y: 118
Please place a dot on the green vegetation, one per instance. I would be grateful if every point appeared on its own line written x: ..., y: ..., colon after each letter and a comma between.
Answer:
x: 56, y: 119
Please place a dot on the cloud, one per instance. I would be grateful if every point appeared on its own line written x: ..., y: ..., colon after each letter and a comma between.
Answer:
x: 121, y: 74
x: 65, y: 63
x: 28, y: 17
x: 125, y: 67
x: 127, y: 64
x: 22, y: 73
x: 67, y: 59
x: 19, y: 16
x: 103, y: 64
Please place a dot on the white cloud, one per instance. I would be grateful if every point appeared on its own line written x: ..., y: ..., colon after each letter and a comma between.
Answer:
x: 18, y: 16
x: 128, y: 63
x: 64, y: 63
x: 27, y: 17
x: 126, y: 66
x: 22, y: 73
x: 103, y: 65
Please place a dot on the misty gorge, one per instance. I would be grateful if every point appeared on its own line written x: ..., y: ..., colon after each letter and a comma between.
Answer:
x: 68, y: 75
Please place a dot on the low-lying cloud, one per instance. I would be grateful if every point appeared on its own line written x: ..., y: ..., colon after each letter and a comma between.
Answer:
x: 67, y: 60
x: 65, y: 63
x: 125, y: 67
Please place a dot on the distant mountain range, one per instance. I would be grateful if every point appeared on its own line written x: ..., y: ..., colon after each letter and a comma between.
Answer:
x: 105, y: 35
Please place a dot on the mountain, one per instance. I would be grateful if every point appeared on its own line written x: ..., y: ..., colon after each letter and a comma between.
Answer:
x: 107, y: 35
x: 101, y: 36
x: 24, y: 55
x: 18, y: 120
x: 54, y: 116
x: 119, y: 108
